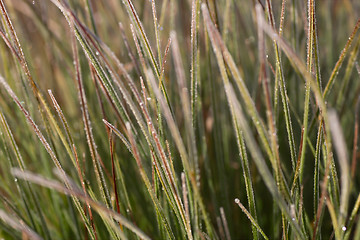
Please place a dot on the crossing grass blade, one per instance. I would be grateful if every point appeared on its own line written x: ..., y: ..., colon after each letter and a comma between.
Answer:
x: 76, y: 192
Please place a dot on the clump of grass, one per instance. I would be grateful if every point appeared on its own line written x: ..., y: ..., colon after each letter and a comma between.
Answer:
x: 179, y: 119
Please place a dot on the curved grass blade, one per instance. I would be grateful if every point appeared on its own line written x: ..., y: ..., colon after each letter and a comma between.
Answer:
x: 16, y: 224
x: 48, y: 183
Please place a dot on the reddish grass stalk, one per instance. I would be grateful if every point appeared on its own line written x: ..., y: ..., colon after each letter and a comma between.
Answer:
x: 112, y: 145
x: 355, y: 142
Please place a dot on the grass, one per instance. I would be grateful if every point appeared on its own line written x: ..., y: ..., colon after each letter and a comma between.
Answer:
x: 179, y: 119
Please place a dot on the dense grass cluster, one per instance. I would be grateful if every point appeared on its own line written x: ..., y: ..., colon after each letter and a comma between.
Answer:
x: 179, y: 119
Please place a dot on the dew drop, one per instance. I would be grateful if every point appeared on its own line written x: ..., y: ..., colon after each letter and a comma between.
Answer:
x: 343, y: 228
x: 33, y: 2
x: 16, y: 179
x: 149, y: 98
x: 293, y: 219
x: 97, y: 53
x: 237, y: 201
x: 127, y: 210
